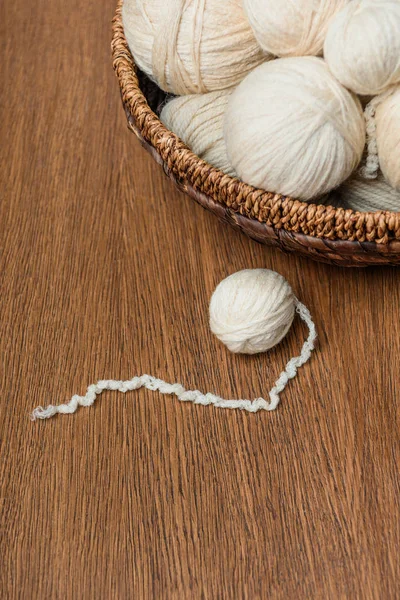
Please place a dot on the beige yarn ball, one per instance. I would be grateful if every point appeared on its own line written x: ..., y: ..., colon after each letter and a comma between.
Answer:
x: 198, y: 120
x: 291, y: 128
x: 252, y: 310
x: 291, y: 28
x: 388, y: 137
x: 191, y: 46
x: 362, y: 46
x: 366, y: 195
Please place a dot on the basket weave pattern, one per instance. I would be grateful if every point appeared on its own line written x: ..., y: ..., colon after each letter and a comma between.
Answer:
x: 324, y: 233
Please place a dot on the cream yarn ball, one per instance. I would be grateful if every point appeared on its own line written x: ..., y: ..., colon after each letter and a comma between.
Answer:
x: 291, y: 128
x: 388, y: 137
x: 252, y: 310
x: 191, y: 46
x: 198, y: 120
x: 366, y: 195
x: 362, y: 46
x: 291, y: 27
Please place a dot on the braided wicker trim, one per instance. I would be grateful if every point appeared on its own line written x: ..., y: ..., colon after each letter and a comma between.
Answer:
x: 274, y: 210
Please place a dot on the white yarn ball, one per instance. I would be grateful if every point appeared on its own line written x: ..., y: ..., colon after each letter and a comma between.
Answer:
x: 362, y: 46
x: 252, y: 310
x: 191, y: 46
x: 291, y: 28
x: 291, y: 128
x: 388, y: 137
x: 198, y: 120
x: 366, y: 195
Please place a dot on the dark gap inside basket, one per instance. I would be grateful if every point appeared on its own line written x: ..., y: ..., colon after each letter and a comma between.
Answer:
x: 156, y: 98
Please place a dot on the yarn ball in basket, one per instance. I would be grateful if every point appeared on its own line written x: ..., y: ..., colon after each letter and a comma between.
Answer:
x: 362, y: 46
x: 198, y: 120
x: 292, y: 128
x: 252, y: 310
x: 388, y: 137
x: 190, y: 47
x: 291, y: 28
x: 366, y: 195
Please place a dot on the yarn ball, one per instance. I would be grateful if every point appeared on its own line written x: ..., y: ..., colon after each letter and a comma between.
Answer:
x: 252, y: 310
x: 388, y: 137
x: 366, y: 195
x: 190, y: 47
x: 288, y: 28
x: 291, y: 128
x: 362, y: 46
x: 198, y: 120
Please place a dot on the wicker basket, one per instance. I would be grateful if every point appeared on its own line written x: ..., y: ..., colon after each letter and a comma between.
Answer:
x: 323, y: 233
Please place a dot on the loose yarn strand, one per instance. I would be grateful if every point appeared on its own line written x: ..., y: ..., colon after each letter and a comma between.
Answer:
x: 372, y: 164
x: 371, y: 168
x: 195, y: 396
x: 298, y: 361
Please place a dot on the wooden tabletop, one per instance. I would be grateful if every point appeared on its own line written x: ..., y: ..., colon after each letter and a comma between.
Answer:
x: 107, y: 272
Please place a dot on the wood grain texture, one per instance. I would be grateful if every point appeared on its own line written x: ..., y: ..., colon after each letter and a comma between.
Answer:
x: 140, y: 496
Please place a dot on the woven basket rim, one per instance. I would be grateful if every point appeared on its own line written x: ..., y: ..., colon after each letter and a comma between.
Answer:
x: 275, y: 210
